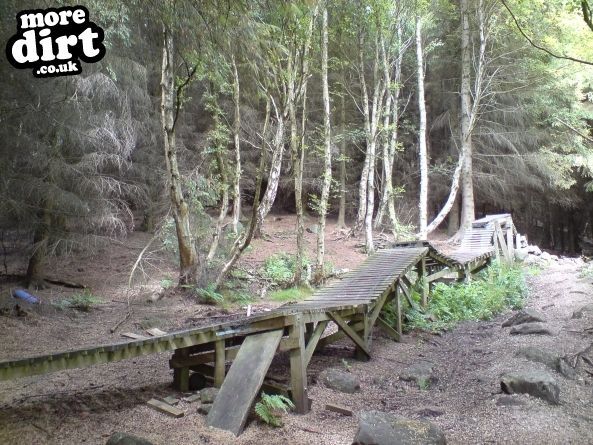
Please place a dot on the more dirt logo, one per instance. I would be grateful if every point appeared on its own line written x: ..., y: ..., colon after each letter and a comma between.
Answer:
x: 53, y: 41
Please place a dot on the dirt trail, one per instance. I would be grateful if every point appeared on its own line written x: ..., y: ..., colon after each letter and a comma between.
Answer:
x: 86, y: 406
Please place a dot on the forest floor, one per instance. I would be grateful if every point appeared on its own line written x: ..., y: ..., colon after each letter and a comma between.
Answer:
x: 88, y: 405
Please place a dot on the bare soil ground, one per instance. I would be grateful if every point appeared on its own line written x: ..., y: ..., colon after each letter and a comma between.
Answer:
x: 88, y: 405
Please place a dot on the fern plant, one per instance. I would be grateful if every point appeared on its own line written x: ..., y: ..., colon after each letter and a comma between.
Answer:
x: 271, y: 407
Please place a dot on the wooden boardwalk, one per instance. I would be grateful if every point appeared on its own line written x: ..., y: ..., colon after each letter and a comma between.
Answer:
x: 353, y: 304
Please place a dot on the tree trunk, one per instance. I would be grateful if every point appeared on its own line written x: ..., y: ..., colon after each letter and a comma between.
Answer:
x: 423, y: 155
x: 224, y: 206
x: 453, y: 223
x: 274, y: 174
x: 342, y: 205
x: 35, y: 268
x: 467, y: 188
x: 327, y: 166
x: 188, y: 256
x: 237, y: 142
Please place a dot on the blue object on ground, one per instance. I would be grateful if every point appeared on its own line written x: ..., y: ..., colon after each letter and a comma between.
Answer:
x: 25, y: 296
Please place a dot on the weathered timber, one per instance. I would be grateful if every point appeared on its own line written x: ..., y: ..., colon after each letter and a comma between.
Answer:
x: 243, y: 382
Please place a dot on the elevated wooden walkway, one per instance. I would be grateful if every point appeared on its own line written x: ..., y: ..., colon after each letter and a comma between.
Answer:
x: 353, y: 304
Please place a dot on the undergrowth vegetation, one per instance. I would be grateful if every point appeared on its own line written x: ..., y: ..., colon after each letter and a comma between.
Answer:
x: 496, y: 288
x: 586, y: 271
x: 271, y: 407
x: 84, y: 301
x: 291, y: 294
x: 279, y: 269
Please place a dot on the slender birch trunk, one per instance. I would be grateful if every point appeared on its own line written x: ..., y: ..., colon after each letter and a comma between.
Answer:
x: 422, y: 150
x: 237, y: 143
x: 342, y: 205
x: 224, y: 206
x: 188, y: 256
x: 467, y: 188
x: 327, y: 167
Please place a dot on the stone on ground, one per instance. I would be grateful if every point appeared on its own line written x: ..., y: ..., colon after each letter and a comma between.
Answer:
x: 127, y: 439
x: 549, y: 359
x: 205, y: 408
x: 420, y: 373
x: 207, y: 395
x: 531, y: 328
x: 524, y: 316
x: 378, y: 428
x: 586, y: 310
x: 535, y: 383
x: 339, y: 380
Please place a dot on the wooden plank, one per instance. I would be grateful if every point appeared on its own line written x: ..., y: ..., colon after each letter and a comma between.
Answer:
x: 298, y: 367
x: 219, y: 366
x: 155, y: 332
x: 338, y: 409
x: 245, y: 377
x: 350, y: 333
x: 165, y: 408
x: 131, y: 335
x: 313, y: 340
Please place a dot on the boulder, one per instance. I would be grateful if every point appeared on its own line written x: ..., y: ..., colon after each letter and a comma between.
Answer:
x: 537, y: 355
x: 127, y: 439
x: 419, y: 373
x: 586, y: 310
x: 207, y: 395
x: 523, y: 316
x: 379, y: 428
x: 521, y: 254
x: 546, y: 256
x: 340, y: 380
x: 535, y: 250
x: 535, y: 383
x: 531, y: 328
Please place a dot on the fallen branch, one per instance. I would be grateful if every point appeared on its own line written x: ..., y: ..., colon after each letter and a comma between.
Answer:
x: 119, y: 323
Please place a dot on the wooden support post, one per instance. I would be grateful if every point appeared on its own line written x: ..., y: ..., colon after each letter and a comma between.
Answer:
x: 398, y: 313
x: 181, y: 375
x: 517, y: 240
x: 298, y: 370
x: 385, y: 327
x: 220, y: 363
x: 359, y: 342
x: 313, y: 340
x: 423, y: 281
x: 510, y: 242
x: 496, y: 246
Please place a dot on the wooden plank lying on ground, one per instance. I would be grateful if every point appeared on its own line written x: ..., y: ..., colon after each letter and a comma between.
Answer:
x: 134, y: 336
x: 338, y: 409
x: 243, y: 382
x: 165, y: 408
x: 155, y: 332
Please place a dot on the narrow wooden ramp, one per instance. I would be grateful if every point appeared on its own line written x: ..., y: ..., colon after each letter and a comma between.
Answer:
x: 243, y: 382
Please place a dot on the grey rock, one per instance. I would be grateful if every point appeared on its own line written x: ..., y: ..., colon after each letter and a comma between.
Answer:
x: 521, y: 254
x: 205, y: 408
x: 509, y: 401
x: 535, y: 383
x: 537, y: 355
x: 546, y: 256
x: 565, y: 369
x: 420, y: 373
x: 584, y: 311
x: 530, y: 328
x: 207, y: 395
x: 523, y: 316
x: 127, y: 439
x: 378, y: 428
x: 549, y: 359
x: 554, y: 257
x: 340, y: 380
x: 535, y: 250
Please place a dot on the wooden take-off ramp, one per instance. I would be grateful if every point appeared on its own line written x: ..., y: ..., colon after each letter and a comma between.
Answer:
x: 353, y: 304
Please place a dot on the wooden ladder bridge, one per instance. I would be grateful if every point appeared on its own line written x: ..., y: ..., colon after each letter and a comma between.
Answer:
x: 353, y: 304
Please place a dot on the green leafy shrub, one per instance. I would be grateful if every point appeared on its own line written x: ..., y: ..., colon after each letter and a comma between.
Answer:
x: 271, y: 407
x: 279, y: 268
x: 167, y: 283
x: 208, y: 295
x: 498, y: 287
x: 84, y: 302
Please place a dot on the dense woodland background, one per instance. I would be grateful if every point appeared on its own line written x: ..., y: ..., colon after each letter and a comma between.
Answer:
x: 204, y: 116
